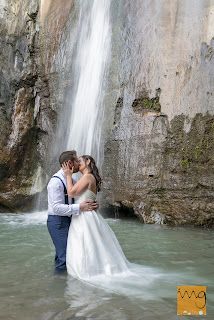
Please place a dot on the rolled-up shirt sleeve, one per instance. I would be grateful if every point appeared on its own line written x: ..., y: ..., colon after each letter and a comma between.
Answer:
x: 56, y: 198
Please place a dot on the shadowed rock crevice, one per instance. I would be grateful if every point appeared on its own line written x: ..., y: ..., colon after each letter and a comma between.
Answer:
x: 118, y: 110
x: 33, y: 15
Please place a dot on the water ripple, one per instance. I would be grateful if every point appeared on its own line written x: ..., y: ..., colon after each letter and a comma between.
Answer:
x: 24, y: 219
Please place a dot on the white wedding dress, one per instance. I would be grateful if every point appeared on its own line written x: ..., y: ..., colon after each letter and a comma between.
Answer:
x: 94, y: 254
x: 92, y: 247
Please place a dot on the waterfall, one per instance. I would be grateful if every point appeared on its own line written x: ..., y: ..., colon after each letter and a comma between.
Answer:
x: 84, y: 99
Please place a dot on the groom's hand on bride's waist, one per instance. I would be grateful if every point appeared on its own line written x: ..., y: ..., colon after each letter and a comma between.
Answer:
x: 89, y: 206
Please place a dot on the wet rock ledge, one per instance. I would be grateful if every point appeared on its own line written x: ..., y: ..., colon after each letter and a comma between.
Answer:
x: 161, y: 170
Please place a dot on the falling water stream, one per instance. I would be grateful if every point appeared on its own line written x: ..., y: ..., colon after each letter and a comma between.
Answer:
x: 91, y: 51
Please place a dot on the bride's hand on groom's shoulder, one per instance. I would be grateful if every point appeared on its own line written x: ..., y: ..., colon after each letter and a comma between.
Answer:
x: 66, y: 169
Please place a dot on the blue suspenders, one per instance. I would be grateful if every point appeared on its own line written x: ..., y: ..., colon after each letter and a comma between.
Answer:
x: 65, y: 190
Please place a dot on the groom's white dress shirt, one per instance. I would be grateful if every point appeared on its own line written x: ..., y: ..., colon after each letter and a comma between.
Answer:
x: 56, y: 197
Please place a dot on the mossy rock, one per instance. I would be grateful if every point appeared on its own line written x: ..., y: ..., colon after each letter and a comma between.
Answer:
x: 146, y: 105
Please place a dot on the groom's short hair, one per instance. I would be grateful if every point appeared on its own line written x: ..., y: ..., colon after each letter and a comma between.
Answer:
x: 66, y: 156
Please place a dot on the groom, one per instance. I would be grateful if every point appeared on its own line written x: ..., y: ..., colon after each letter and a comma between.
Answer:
x: 61, y: 208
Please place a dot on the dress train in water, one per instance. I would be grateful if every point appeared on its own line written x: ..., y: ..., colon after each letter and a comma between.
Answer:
x: 94, y: 254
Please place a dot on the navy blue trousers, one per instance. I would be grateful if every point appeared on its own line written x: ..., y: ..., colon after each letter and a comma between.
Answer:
x: 58, y: 228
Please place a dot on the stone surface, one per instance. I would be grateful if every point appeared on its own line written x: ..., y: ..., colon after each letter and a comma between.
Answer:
x: 159, y: 106
x: 18, y: 156
x: 33, y: 47
x: 158, y: 155
x: 164, y: 173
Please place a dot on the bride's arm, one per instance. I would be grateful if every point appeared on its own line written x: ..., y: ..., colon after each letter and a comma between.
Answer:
x: 79, y: 187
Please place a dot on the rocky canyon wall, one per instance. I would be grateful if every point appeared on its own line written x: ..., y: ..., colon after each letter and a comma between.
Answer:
x: 31, y: 61
x: 159, y: 150
x: 159, y: 107
x: 18, y: 75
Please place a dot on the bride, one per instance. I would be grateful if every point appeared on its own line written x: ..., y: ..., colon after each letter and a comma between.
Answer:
x: 92, y: 247
x: 93, y: 251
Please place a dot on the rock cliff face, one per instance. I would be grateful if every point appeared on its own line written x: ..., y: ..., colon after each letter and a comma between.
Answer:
x: 159, y: 108
x: 159, y: 148
x: 19, y: 73
x: 32, y: 63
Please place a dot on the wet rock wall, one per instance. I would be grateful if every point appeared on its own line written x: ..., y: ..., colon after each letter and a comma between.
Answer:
x: 158, y: 128
x: 159, y: 139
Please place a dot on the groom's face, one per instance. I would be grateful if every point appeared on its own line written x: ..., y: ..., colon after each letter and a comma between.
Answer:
x: 75, y: 163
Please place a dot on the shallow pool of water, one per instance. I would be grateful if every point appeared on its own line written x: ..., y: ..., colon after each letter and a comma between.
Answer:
x: 29, y: 290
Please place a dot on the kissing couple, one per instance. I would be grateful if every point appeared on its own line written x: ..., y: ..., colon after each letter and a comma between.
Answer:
x: 85, y: 244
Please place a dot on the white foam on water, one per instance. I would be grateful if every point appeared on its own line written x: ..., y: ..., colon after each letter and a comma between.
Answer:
x: 24, y: 219
x: 32, y: 218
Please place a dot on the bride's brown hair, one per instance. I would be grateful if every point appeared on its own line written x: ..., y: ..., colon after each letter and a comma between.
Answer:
x: 93, y: 170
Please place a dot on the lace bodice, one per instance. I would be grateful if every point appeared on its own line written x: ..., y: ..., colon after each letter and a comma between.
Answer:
x: 86, y: 195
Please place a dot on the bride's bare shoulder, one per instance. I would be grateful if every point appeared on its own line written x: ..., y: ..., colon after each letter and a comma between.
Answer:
x: 89, y: 176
